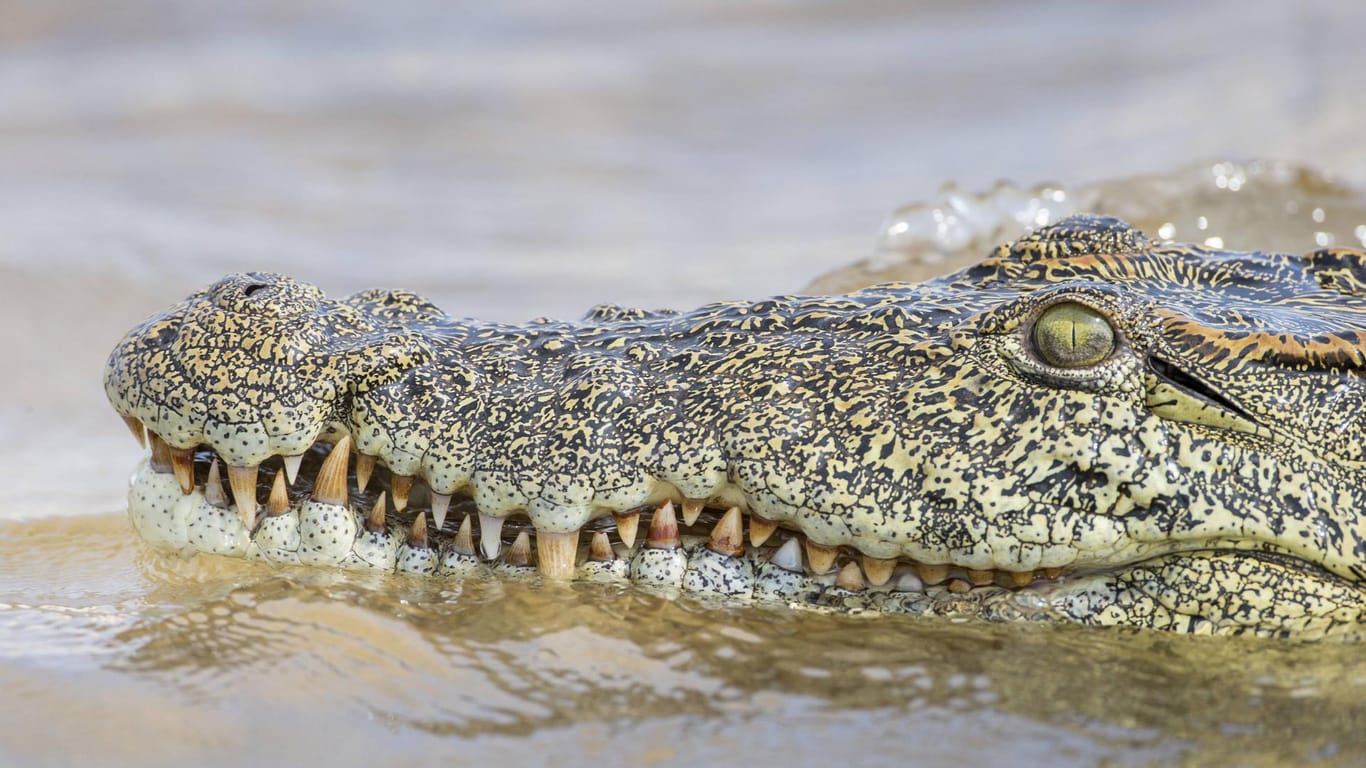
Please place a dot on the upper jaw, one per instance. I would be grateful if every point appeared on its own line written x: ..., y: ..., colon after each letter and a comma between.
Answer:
x: 1119, y: 553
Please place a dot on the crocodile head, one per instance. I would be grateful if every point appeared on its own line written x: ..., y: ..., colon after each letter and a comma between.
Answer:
x: 1086, y: 426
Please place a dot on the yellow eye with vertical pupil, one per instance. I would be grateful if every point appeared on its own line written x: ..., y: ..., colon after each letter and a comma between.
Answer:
x: 1072, y: 335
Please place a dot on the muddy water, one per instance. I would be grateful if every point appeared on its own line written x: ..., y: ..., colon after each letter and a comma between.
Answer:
x: 533, y: 160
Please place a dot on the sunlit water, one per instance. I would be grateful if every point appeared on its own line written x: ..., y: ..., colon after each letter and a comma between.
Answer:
x: 152, y: 660
x: 530, y: 161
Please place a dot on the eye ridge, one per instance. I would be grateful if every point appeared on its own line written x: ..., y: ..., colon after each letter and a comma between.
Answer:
x: 1070, y: 334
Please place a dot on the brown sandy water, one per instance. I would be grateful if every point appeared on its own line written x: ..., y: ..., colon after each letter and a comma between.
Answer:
x: 533, y: 160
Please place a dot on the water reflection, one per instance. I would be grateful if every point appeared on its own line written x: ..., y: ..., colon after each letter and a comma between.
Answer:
x: 517, y: 659
x: 268, y: 661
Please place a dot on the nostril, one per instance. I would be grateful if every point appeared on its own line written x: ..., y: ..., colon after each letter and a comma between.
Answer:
x: 162, y: 338
x: 254, y: 288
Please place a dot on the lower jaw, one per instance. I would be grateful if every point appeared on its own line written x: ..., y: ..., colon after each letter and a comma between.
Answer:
x: 342, y: 534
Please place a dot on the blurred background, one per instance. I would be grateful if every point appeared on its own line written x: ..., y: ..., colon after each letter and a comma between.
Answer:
x: 527, y: 158
x: 522, y: 158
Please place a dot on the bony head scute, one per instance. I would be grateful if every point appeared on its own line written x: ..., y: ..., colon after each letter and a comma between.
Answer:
x: 1070, y: 334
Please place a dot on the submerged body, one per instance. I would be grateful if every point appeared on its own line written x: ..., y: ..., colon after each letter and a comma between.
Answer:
x: 1085, y: 426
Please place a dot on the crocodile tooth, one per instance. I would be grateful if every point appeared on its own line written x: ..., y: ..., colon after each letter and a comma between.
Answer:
x: 600, y: 549
x: 555, y: 553
x: 490, y: 535
x: 959, y: 585
x: 213, y: 487
x: 1020, y: 578
x: 728, y: 537
x: 760, y: 529
x: 242, y: 480
x: 789, y: 556
x: 464, y: 537
x: 182, y: 464
x: 931, y: 574
x: 417, y: 535
x: 291, y: 465
x: 161, y: 455
x: 330, y: 487
x: 278, y: 503
x: 399, y: 486
x: 374, y: 521
x: 691, y: 511
x: 520, y: 551
x: 627, y: 524
x: 663, y: 533
x: 907, y: 581
x: 981, y: 578
x: 850, y: 578
x: 1052, y: 573
x: 822, y: 558
x: 139, y: 431
x: 365, y: 464
x: 440, y: 503
x: 879, y: 571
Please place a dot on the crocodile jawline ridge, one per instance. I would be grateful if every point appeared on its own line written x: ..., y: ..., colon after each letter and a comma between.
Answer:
x: 1086, y: 426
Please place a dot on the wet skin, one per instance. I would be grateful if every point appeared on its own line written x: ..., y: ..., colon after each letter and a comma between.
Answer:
x: 1086, y: 426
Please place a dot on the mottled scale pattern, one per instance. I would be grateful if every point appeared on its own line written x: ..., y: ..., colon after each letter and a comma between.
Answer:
x: 921, y: 421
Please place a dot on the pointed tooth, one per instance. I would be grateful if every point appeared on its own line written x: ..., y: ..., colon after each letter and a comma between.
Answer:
x: 417, y: 535
x: 981, y: 578
x: 464, y: 537
x: 440, y: 503
x: 161, y: 454
x: 931, y: 574
x: 879, y: 570
x: 520, y: 551
x: 213, y: 487
x: 850, y: 577
x: 490, y: 535
x: 365, y: 464
x: 278, y: 503
x: 760, y: 529
x: 374, y: 522
x: 139, y: 432
x: 182, y: 463
x: 789, y: 556
x: 663, y: 533
x: 292, y: 467
x: 600, y: 548
x: 555, y: 553
x: 821, y: 558
x: 691, y: 511
x: 330, y: 487
x: 959, y: 586
x: 1052, y: 573
x: 242, y: 480
x: 399, y: 486
x: 728, y: 537
x: 627, y: 525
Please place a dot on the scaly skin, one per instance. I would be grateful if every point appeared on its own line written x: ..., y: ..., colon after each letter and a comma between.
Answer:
x: 1180, y: 446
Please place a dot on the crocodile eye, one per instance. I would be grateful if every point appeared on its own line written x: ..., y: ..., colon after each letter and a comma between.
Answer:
x: 1072, y: 335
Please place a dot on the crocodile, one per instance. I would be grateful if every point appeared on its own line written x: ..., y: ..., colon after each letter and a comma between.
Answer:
x: 1087, y: 426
